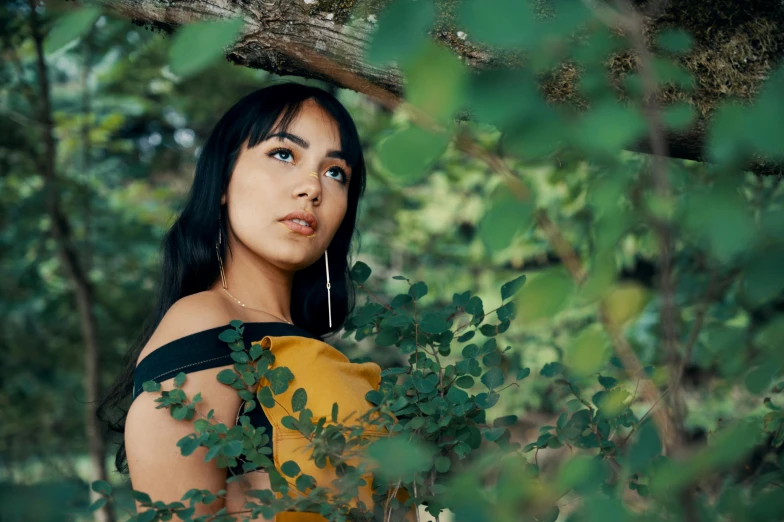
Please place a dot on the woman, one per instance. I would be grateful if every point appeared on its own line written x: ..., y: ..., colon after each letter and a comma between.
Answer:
x: 263, y: 237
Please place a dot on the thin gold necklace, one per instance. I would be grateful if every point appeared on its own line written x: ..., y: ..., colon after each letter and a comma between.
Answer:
x: 257, y: 309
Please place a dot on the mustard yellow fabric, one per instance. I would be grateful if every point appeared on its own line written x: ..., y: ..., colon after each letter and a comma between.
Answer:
x: 328, y: 377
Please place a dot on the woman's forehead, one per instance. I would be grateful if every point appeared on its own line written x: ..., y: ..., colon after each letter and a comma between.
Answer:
x: 312, y: 124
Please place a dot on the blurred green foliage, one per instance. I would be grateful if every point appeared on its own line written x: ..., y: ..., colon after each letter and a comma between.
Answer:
x: 570, y: 431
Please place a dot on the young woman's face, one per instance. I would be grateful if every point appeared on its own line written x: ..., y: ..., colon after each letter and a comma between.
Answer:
x: 300, y: 170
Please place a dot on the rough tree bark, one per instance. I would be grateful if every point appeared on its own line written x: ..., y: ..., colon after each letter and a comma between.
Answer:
x: 744, y: 38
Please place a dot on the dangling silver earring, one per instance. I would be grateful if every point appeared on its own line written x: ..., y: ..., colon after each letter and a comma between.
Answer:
x: 220, y: 261
x: 329, y: 300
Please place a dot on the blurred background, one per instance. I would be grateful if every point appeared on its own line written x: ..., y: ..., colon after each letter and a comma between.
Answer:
x: 82, y: 218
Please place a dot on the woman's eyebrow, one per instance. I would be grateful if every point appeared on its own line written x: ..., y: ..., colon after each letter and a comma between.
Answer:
x: 304, y: 144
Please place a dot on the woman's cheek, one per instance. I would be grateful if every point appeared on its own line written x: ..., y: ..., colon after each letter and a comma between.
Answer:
x: 247, y: 217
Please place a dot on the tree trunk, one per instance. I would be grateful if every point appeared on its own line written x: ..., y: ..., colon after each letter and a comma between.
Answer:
x: 70, y: 261
x: 736, y: 46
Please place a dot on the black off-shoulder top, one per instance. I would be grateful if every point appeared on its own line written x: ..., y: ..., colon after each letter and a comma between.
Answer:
x: 204, y: 350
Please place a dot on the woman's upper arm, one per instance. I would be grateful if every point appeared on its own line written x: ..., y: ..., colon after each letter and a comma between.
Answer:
x: 155, y: 463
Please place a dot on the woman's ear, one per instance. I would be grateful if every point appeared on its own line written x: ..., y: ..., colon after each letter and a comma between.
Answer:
x: 223, y: 199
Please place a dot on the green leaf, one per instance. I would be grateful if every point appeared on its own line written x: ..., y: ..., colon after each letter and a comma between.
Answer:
x: 400, y: 458
x: 416, y: 423
x: 305, y: 482
x: 509, y: 24
x: 721, y: 219
x: 506, y: 313
x: 299, y: 399
x: 647, y: 447
x: 227, y: 376
x: 229, y: 336
x: 398, y: 320
x: 767, y: 117
x: 456, y: 396
x: 279, y: 379
x: 102, y: 487
x: 465, y: 381
x: 418, y: 290
x: 233, y: 448
x: 671, y: 72
x: 510, y: 288
x: 462, y: 449
x: 264, y: 395
x: 70, y: 27
x: 611, y: 402
x: 387, y: 337
x: 470, y: 351
x: 620, y: 126
x: 506, y: 420
x: 494, y: 434
x: 728, y: 445
x: 240, y: 357
x: 426, y: 384
x: 409, y: 152
x: 475, y: 306
x: 374, y: 397
x: 179, y: 412
x: 400, y: 300
x: 143, y: 498
x: 607, y: 382
x: 360, y: 272
x: 436, y: 81
x: 434, y: 323
x: 188, y: 444
x: 679, y: 116
x: 443, y: 464
x: 760, y: 378
x: 198, y: 45
x: 255, y: 351
x: 674, y: 40
x: 334, y: 412
x: 466, y: 336
x: 487, y: 400
x: 402, y: 29
x: 98, y: 504
x: 725, y: 145
x: 522, y: 374
x: 493, y: 378
x: 505, y: 217
x: 763, y: 278
x: 290, y: 468
x: 248, y: 378
x: 151, y: 386
x: 582, y: 473
x: 588, y: 352
x: 551, y: 369
x: 544, y: 296
x: 504, y: 97
x: 289, y: 422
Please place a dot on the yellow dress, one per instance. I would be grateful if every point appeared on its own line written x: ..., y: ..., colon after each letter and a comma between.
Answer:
x: 328, y: 377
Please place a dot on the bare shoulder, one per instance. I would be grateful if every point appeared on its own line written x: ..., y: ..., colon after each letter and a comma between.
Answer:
x: 155, y: 462
x: 191, y: 314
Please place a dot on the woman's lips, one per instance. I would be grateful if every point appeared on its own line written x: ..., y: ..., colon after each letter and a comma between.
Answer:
x: 296, y: 227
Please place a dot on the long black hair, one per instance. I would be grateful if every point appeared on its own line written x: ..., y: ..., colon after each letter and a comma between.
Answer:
x: 189, y: 262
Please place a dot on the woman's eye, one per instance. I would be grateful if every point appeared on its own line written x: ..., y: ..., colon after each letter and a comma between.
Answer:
x: 339, y: 171
x: 283, y: 155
